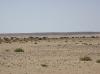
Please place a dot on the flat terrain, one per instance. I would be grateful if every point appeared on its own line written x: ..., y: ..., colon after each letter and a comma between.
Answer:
x: 50, y: 56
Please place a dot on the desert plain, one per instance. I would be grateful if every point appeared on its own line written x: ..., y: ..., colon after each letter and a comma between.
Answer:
x: 63, y: 55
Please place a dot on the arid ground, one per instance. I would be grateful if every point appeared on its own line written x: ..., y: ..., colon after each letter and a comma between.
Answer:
x: 62, y: 55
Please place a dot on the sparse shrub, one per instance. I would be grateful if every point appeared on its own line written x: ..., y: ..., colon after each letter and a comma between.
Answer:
x: 59, y: 45
x: 31, y: 38
x: 85, y: 58
x: 85, y: 43
x: 93, y: 37
x: 66, y: 41
x: 35, y: 43
x: 48, y: 40
x: 12, y: 38
x: 83, y: 37
x: 19, y: 50
x: 98, y: 61
x: 7, y: 50
x: 98, y: 43
x: 40, y: 38
x: 64, y: 37
x: 45, y: 38
x: 16, y: 39
x: 0, y: 40
x: 90, y: 44
x: 25, y: 39
x: 80, y: 41
x: 77, y: 43
x: 44, y: 65
x: 36, y: 38
x: 6, y: 40
x: 21, y: 39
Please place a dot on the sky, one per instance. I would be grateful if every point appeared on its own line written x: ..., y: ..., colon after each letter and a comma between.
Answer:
x: 25, y: 16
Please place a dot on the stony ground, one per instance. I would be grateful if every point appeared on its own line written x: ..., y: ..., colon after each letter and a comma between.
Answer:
x: 51, y: 56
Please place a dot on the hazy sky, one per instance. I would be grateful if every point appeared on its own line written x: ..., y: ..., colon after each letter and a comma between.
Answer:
x: 49, y: 15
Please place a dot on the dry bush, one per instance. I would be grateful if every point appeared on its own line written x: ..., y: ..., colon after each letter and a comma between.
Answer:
x: 20, y: 40
x: 66, y: 41
x: 36, y: 38
x: 25, y: 39
x: 64, y: 37
x: 73, y: 37
x: 80, y: 41
x: 93, y: 37
x: 7, y: 50
x: 44, y: 38
x: 85, y: 43
x: 35, y: 43
x: 49, y: 39
x: 85, y: 58
x: 12, y: 38
x: 76, y: 43
x: 98, y: 61
x: 31, y: 38
x: 6, y: 40
x: 40, y: 39
x: 0, y: 40
x: 83, y: 37
x: 44, y: 65
x: 16, y: 39
x: 90, y: 44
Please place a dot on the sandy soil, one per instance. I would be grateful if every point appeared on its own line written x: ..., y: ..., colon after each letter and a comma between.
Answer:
x: 51, y: 56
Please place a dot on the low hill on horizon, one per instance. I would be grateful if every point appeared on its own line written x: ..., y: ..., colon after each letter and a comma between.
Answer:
x: 51, y: 34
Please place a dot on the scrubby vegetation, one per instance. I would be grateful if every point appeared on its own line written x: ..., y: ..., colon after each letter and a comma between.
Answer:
x: 35, y: 43
x: 85, y: 58
x: 7, y: 50
x: 98, y: 61
x: 44, y: 65
x: 32, y: 39
x: 19, y: 50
